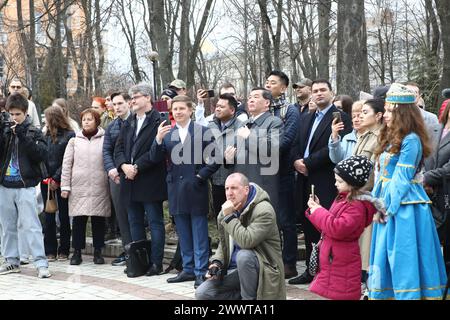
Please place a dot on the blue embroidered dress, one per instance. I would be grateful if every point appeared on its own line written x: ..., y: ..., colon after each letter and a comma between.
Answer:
x: 406, y: 261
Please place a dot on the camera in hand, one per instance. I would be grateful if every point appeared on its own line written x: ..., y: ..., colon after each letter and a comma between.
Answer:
x: 4, y: 120
x: 216, y: 272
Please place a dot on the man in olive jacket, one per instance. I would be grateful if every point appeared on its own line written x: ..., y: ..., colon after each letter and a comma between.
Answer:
x: 248, y: 263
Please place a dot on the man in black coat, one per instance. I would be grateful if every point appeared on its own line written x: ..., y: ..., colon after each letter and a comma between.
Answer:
x: 313, y: 163
x: 143, y: 181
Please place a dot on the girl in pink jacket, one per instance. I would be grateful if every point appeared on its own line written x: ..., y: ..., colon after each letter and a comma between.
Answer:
x: 339, y: 276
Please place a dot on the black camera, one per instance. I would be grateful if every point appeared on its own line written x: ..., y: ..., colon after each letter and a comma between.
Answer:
x: 216, y: 272
x: 5, y: 121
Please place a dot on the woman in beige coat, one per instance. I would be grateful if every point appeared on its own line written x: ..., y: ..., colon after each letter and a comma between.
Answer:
x: 371, y: 120
x: 85, y: 182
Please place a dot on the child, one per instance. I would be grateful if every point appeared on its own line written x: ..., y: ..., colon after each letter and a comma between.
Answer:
x: 339, y: 276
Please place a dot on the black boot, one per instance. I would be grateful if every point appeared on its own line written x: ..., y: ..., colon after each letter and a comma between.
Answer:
x: 98, y: 259
x: 76, y: 257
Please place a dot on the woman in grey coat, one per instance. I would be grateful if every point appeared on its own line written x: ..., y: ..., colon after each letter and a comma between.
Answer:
x: 437, y: 169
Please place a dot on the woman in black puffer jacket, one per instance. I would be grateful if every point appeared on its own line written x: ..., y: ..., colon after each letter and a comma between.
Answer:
x: 58, y: 134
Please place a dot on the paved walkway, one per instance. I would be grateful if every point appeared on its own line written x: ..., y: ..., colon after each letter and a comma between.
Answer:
x: 104, y: 282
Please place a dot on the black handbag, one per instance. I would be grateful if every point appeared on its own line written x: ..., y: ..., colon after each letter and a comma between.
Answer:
x: 441, y: 206
x: 137, y: 257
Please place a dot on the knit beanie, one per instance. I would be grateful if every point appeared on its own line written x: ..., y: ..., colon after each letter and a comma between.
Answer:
x: 400, y: 94
x: 354, y: 170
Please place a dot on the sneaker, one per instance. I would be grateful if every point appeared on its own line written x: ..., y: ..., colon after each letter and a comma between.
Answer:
x: 24, y: 261
x: 63, y: 257
x: 364, y: 291
x: 43, y: 273
x: 51, y: 258
x: 120, y: 260
x: 9, y: 268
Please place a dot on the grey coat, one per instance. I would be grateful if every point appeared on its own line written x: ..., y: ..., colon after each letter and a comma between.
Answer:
x: 432, y: 125
x: 435, y: 171
x: 224, y: 139
x: 258, y: 157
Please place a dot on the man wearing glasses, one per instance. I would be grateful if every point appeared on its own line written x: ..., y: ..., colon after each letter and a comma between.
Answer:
x: 16, y: 86
x: 142, y: 181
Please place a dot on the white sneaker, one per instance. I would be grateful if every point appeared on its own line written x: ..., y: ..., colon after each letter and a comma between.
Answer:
x: 43, y: 273
x: 7, y: 267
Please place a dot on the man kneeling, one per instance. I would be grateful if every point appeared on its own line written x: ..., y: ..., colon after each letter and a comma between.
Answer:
x: 248, y: 263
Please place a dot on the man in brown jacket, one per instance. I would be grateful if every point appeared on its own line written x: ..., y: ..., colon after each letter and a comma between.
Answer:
x: 248, y: 263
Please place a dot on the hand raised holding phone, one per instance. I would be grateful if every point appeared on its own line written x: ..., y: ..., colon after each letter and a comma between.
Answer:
x: 336, y: 126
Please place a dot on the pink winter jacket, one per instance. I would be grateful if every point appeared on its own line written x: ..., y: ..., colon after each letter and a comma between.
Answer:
x: 339, y: 276
x: 84, y: 176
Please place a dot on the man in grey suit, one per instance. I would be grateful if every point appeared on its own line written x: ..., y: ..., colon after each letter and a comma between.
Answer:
x: 258, y: 145
x: 430, y: 119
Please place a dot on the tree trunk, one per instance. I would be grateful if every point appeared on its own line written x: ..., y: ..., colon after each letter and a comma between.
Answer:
x: 265, y: 24
x: 324, y: 11
x: 352, y: 65
x: 160, y: 39
x: 184, y: 40
x: 29, y: 44
x: 443, y: 9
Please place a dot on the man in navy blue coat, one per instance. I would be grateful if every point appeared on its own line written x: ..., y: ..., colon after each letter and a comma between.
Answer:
x: 191, y: 161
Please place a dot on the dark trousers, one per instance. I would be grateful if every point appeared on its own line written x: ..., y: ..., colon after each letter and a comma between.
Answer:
x: 121, y: 212
x: 79, y: 232
x: 219, y: 198
x: 155, y: 218
x: 286, y: 216
x: 50, y: 241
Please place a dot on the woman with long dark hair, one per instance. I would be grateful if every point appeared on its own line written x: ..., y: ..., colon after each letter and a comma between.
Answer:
x: 406, y: 261
x: 58, y: 134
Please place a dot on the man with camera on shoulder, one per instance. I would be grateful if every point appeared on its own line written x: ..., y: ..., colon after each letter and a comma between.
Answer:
x: 248, y: 263
x: 23, y: 151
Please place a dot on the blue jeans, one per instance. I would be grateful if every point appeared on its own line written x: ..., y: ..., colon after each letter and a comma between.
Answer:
x: 19, y: 207
x: 193, y: 239
x: 155, y: 218
x: 286, y: 218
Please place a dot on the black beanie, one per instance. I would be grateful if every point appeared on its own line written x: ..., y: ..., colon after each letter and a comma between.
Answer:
x: 354, y: 170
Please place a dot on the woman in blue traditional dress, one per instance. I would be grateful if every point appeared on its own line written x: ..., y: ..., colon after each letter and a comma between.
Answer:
x: 406, y: 261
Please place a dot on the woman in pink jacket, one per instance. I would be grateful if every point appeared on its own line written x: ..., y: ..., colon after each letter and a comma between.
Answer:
x: 339, y: 276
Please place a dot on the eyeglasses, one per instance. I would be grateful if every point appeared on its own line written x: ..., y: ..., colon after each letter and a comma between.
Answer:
x: 16, y: 87
x: 138, y: 96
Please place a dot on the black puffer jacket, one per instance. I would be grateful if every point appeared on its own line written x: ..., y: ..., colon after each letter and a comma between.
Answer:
x: 32, y: 151
x: 56, y: 151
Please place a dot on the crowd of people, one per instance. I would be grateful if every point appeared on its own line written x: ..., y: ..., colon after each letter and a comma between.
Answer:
x: 354, y: 179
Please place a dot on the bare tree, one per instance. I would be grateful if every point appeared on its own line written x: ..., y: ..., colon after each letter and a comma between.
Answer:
x: 124, y: 13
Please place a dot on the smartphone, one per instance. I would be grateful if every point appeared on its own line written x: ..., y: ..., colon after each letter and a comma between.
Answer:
x: 210, y: 93
x: 337, y: 115
x: 161, y: 105
x: 165, y: 117
x: 313, y: 193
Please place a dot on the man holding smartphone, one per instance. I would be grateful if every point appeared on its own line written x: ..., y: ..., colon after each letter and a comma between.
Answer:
x: 313, y: 163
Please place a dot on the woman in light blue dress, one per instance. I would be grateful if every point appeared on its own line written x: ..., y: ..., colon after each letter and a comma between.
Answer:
x: 406, y: 261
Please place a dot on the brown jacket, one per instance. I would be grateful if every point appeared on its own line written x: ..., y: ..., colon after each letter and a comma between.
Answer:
x: 365, y: 146
x: 84, y: 176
